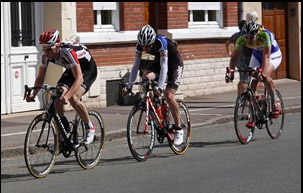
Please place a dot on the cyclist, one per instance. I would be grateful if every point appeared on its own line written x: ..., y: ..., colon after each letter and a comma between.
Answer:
x: 243, y: 58
x: 80, y: 73
x: 266, y: 55
x: 168, y: 64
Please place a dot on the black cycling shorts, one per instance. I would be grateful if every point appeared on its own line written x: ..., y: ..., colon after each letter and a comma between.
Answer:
x: 89, y: 76
x: 174, y: 72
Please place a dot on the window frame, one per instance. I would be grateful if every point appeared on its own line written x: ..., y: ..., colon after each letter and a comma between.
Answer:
x: 205, y: 6
x: 114, y: 8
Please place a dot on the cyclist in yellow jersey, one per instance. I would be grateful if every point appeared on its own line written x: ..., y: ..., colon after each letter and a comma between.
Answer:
x: 266, y: 55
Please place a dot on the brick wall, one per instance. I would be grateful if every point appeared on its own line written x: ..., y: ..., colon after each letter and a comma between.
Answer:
x: 85, y: 16
x: 201, y: 49
x: 113, y: 54
x: 177, y: 15
x: 132, y: 16
x: 230, y: 14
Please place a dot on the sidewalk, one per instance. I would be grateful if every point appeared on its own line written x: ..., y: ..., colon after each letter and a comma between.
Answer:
x: 204, y: 110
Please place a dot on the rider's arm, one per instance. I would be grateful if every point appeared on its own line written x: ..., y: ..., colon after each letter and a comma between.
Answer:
x: 134, y: 71
x: 39, y: 80
x: 227, y: 43
x: 233, y: 59
x: 266, y: 61
x: 164, y: 68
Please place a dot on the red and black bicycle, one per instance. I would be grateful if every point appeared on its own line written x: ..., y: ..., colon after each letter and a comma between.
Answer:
x: 150, y: 119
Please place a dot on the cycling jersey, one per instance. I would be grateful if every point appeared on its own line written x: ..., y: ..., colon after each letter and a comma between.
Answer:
x: 165, y: 66
x: 264, y: 39
x: 70, y: 54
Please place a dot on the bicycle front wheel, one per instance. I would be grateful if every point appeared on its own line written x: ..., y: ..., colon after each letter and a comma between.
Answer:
x: 40, y: 146
x: 140, y: 135
x: 88, y: 156
x: 243, y: 113
x: 186, y: 127
x: 274, y: 126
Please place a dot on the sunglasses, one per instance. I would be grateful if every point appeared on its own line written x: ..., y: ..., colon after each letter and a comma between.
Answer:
x: 250, y: 36
x: 45, y: 49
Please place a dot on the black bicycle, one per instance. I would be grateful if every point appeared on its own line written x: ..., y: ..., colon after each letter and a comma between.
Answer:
x: 249, y: 108
x: 150, y: 115
x: 42, y: 146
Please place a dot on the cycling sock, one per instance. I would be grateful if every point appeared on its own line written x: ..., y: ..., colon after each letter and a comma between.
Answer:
x: 89, y: 125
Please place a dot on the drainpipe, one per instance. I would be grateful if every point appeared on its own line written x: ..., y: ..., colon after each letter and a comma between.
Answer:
x: 240, y: 13
x: 156, y: 17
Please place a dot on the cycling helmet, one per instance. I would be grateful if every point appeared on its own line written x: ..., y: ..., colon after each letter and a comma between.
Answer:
x: 49, y: 38
x: 250, y: 28
x: 146, y: 35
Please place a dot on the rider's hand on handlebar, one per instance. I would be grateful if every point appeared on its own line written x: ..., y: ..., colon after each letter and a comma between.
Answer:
x: 158, y: 91
x: 30, y: 98
x: 229, y: 77
x: 124, y: 92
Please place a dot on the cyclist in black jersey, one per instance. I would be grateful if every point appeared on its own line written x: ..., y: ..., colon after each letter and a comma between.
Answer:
x: 168, y: 64
x: 80, y: 73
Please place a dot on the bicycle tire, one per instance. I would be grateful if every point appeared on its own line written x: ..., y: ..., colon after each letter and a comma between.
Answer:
x: 186, y: 126
x: 140, y: 142
x: 40, y: 159
x: 244, y: 110
x: 88, y: 156
x: 274, y: 126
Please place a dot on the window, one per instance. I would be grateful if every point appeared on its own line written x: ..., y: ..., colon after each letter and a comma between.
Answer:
x: 106, y: 16
x: 23, y: 29
x: 204, y: 14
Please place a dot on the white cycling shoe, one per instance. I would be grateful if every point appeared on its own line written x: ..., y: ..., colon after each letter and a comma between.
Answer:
x: 90, y: 134
x: 178, y: 138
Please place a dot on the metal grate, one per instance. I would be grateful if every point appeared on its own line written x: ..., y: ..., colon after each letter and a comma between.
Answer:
x: 112, y: 91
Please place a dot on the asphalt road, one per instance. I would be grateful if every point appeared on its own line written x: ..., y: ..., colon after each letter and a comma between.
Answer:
x: 215, y: 162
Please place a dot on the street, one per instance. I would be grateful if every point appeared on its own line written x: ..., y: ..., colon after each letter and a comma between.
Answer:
x: 214, y: 162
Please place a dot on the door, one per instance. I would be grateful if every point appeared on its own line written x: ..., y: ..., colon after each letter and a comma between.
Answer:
x: 3, y: 58
x: 273, y: 19
x: 23, y: 21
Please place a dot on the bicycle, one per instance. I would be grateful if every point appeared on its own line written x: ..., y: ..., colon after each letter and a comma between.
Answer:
x: 150, y: 115
x: 249, y: 107
x: 42, y: 146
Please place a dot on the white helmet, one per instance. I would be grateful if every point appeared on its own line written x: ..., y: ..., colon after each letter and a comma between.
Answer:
x: 250, y: 28
x: 146, y: 35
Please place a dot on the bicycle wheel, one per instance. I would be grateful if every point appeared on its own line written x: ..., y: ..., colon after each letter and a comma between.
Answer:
x: 40, y: 146
x: 140, y: 136
x: 185, y: 125
x: 274, y: 126
x: 89, y: 155
x: 244, y: 111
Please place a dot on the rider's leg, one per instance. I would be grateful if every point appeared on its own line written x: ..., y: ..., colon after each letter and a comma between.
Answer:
x: 241, y: 87
x: 148, y: 75
x: 58, y: 107
x: 81, y: 109
x: 169, y: 95
x: 79, y: 106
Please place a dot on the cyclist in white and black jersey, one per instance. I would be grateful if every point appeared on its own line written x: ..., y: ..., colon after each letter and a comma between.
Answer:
x: 80, y: 73
x: 168, y: 64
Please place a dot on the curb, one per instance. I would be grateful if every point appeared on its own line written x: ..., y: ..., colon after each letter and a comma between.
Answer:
x: 121, y: 133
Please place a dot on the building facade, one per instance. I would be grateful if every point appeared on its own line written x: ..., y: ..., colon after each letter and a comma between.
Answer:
x: 109, y: 30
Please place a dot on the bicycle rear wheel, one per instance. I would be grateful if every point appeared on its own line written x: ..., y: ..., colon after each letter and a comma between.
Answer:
x: 274, y: 126
x: 140, y: 137
x: 40, y: 146
x: 185, y: 125
x: 244, y: 112
x: 89, y: 155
